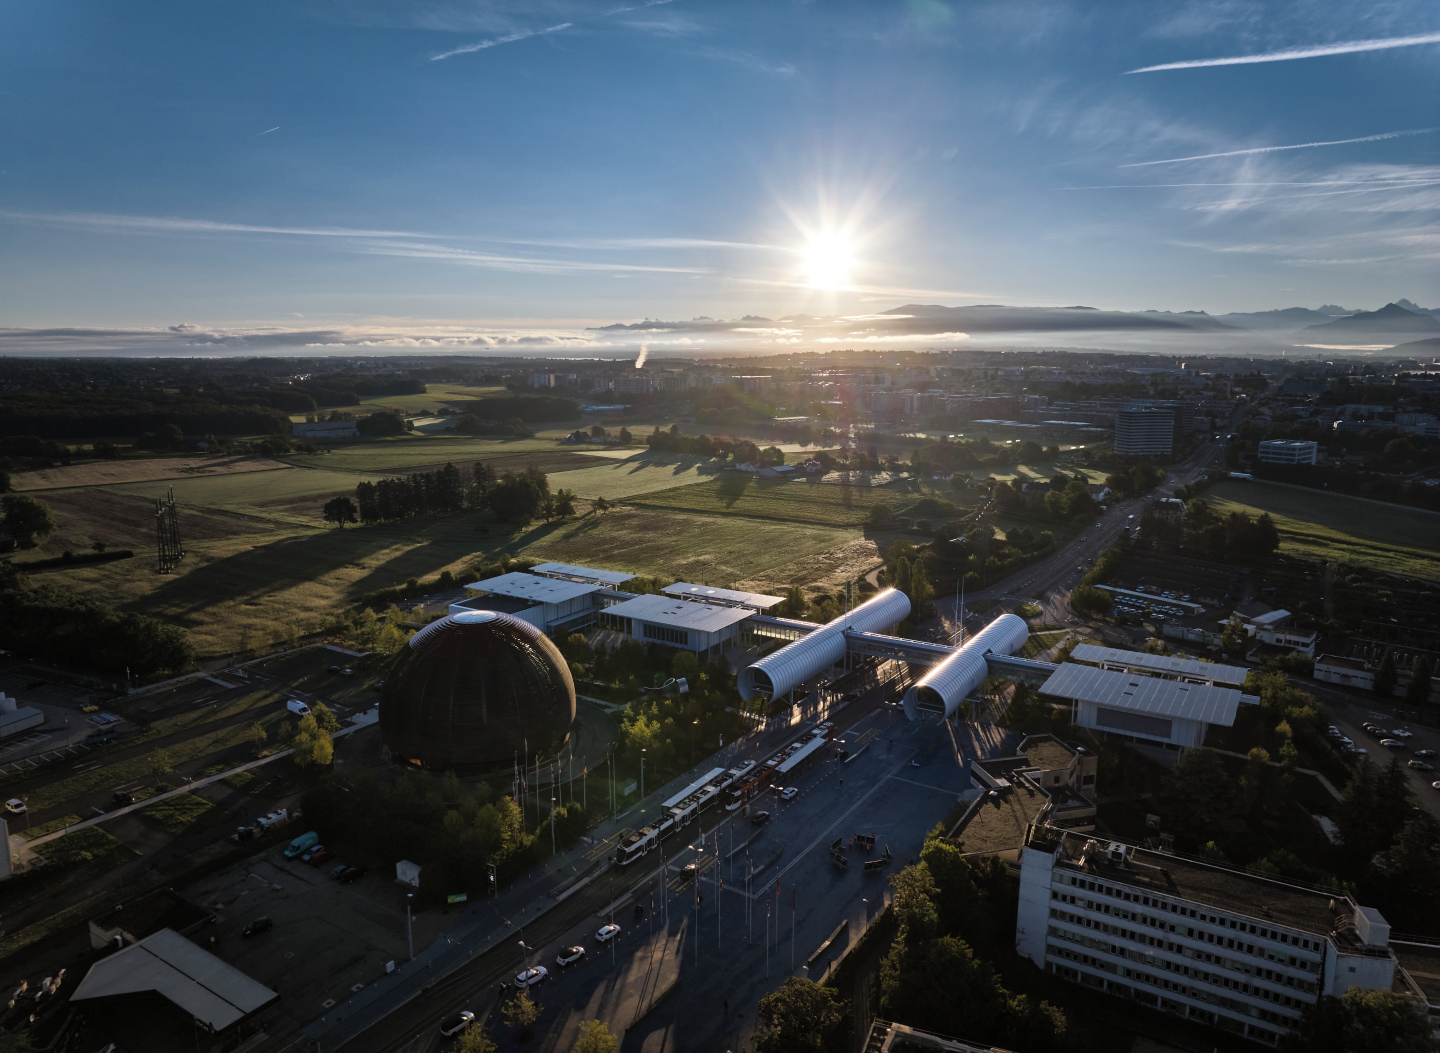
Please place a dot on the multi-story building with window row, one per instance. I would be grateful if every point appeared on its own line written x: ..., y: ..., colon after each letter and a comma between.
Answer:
x: 1288, y: 451
x: 1206, y: 942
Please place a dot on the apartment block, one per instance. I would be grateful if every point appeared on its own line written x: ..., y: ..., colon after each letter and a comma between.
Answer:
x: 1288, y: 451
x: 1144, y: 433
x: 1206, y: 942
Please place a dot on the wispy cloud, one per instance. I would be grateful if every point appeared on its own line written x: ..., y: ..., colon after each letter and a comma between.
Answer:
x: 1275, y: 149
x: 513, y: 263
x: 745, y: 58
x: 1400, y: 181
x: 1344, y: 47
x: 267, y: 131
x: 509, y: 38
x: 167, y: 224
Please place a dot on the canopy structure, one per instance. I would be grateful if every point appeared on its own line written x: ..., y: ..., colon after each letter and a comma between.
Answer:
x: 949, y: 683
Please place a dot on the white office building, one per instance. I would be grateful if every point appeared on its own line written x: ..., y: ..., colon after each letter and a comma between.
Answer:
x: 705, y: 628
x: 1288, y: 451
x: 1144, y: 432
x: 1243, y: 953
x: 556, y: 598
x: 1148, y: 709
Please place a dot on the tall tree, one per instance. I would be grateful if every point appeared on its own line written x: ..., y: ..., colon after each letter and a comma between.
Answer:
x: 1385, y: 676
x: 339, y: 510
x: 1417, y: 692
x: 801, y: 1016
x: 595, y: 1037
x: 27, y: 519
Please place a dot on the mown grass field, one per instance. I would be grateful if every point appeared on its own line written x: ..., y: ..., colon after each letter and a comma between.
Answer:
x: 740, y: 494
x: 1340, y: 528
x: 641, y: 473
x: 404, y: 451
x: 183, y: 814
x: 436, y: 398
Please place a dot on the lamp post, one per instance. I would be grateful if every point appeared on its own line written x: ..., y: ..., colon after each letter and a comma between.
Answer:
x: 409, y: 927
x: 642, y: 773
x: 552, y: 824
x: 693, y: 736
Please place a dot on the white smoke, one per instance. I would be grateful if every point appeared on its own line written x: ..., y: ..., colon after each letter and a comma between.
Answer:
x: 644, y: 354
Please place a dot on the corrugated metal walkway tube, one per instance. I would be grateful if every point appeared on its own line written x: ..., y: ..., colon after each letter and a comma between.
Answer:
x: 952, y: 680
x: 795, y: 663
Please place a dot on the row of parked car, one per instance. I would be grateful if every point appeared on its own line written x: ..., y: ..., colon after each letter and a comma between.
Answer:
x: 1390, y: 739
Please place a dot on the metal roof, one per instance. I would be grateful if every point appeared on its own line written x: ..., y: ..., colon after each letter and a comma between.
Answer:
x: 186, y: 975
x: 1144, y: 694
x: 679, y: 614
x: 533, y: 587
x: 568, y: 570
x: 1224, y: 674
x: 726, y: 597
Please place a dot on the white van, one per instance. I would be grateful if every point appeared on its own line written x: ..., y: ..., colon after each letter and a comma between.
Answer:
x: 296, y: 706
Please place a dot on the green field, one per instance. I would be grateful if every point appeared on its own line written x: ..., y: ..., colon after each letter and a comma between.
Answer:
x: 436, y: 398
x: 738, y: 493
x: 183, y: 814
x: 640, y: 473
x: 729, y: 551
x: 1339, y: 528
x: 405, y: 451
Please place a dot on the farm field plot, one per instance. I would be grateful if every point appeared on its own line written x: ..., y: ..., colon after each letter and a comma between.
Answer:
x: 105, y: 473
x: 389, y: 455
x: 183, y: 814
x: 737, y: 493
x: 711, y: 549
x: 638, y: 474
x: 128, y: 521
x: 436, y: 398
x: 1336, y: 527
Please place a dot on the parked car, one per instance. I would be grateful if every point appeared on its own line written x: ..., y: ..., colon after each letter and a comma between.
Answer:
x: 308, y: 853
x: 258, y: 926
x: 1426, y: 754
x: 15, y: 806
x: 569, y: 955
x: 456, y: 1022
x: 532, y: 976
x: 320, y: 855
x: 1394, y: 744
x: 1420, y: 765
x: 354, y: 873
x: 759, y: 818
x: 788, y: 793
x: 339, y: 869
x: 300, y: 709
x: 688, y: 871
x: 123, y: 797
x: 1401, y: 733
x: 607, y: 933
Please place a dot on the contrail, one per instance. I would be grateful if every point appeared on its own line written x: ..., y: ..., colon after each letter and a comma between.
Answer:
x: 1272, y: 149
x: 524, y: 35
x: 1344, y: 47
x: 267, y: 131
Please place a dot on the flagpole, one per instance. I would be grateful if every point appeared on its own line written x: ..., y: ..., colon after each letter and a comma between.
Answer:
x: 792, y: 928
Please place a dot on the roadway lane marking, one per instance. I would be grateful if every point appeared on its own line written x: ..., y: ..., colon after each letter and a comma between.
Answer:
x: 923, y: 786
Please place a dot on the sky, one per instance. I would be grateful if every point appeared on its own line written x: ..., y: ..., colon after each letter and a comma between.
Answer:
x: 542, y: 166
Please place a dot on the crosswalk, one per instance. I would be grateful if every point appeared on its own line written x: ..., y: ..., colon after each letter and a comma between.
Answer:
x: 678, y: 879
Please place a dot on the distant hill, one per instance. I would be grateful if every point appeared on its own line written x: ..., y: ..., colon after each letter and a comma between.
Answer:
x: 1418, y: 348
x: 995, y: 318
x: 1285, y: 318
x: 1392, y: 318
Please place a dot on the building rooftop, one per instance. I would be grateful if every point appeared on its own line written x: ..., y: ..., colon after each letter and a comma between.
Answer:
x: 162, y: 909
x: 590, y: 574
x: 503, y: 604
x: 1047, y: 753
x: 1265, y: 621
x: 533, y: 587
x: 998, y: 823
x: 1422, y: 962
x: 1139, y: 660
x: 210, y: 990
x: 679, y: 614
x: 724, y: 597
x: 1214, y: 886
x: 1337, y: 662
x: 1144, y: 694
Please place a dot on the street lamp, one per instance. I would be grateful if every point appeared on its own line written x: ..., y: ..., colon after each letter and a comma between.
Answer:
x: 693, y: 736
x: 409, y: 926
x: 552, y: 824
x: 642, y: 773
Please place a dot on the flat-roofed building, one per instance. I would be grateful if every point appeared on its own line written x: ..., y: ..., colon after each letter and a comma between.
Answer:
x: 1166, y: 667
x: 1144, y: 433
x: 1049, y: 780
x: 1170, y: 712
x: 1288, y: 451
x: 755, y: 601
x: 705, y: 628
x: 1206, y: 942
x: 553, y: 605
x: 610, y: 578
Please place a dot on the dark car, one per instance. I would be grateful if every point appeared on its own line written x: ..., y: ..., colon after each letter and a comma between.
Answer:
x: 258, y: 926
x: 1425, y: 754
x: 688, y: 871
x: 123, y: 797
x: 350, y: 874
x: 759, y: 818
x: 322, y: 855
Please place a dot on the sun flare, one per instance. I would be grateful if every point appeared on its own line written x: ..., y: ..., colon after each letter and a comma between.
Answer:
x: 827, y: 262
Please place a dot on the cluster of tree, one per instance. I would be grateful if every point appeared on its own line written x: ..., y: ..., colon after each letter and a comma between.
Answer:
x: 43, y: 622
x: 1089, y: 599
x: 822, y: 607
x: 910, y: 575
x: 1361, y: 1021
x: 452, y: 830
x: 526, y: 408
x: 96, y: 414
x: 1029, y: 714
x: 28, y: 520
x: 1234, y: 536
x: 946, y: 456
x: 412, y: 496
x: 932, y: 978
x: 385, y: 422
x: 1358, y: 482
x: 32, y: 452
x: 363, y: 627
x: 1138, y: 479
x: 1065, y: 498
x: 1417, y: 690
x: 742, y: 450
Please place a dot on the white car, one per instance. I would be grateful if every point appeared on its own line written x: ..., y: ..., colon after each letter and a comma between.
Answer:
x: 1401, y: 733
x: 456, y: 1022
x: 569, y: 955
x: 15, y: 806
x: 789, y: 793
x: 607, y: 933
x: 532, y: 976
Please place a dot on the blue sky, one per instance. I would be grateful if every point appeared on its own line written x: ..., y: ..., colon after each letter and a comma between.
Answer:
x: 307, y: 163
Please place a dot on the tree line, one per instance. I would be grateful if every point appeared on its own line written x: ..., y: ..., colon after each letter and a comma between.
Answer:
x: 99, y: 414
x: 514, y: 497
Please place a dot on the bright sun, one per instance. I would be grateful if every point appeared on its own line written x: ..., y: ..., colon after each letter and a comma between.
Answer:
x: 827, y: 262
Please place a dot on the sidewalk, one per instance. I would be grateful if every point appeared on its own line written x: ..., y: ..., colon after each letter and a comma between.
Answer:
x: 490, y: 922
